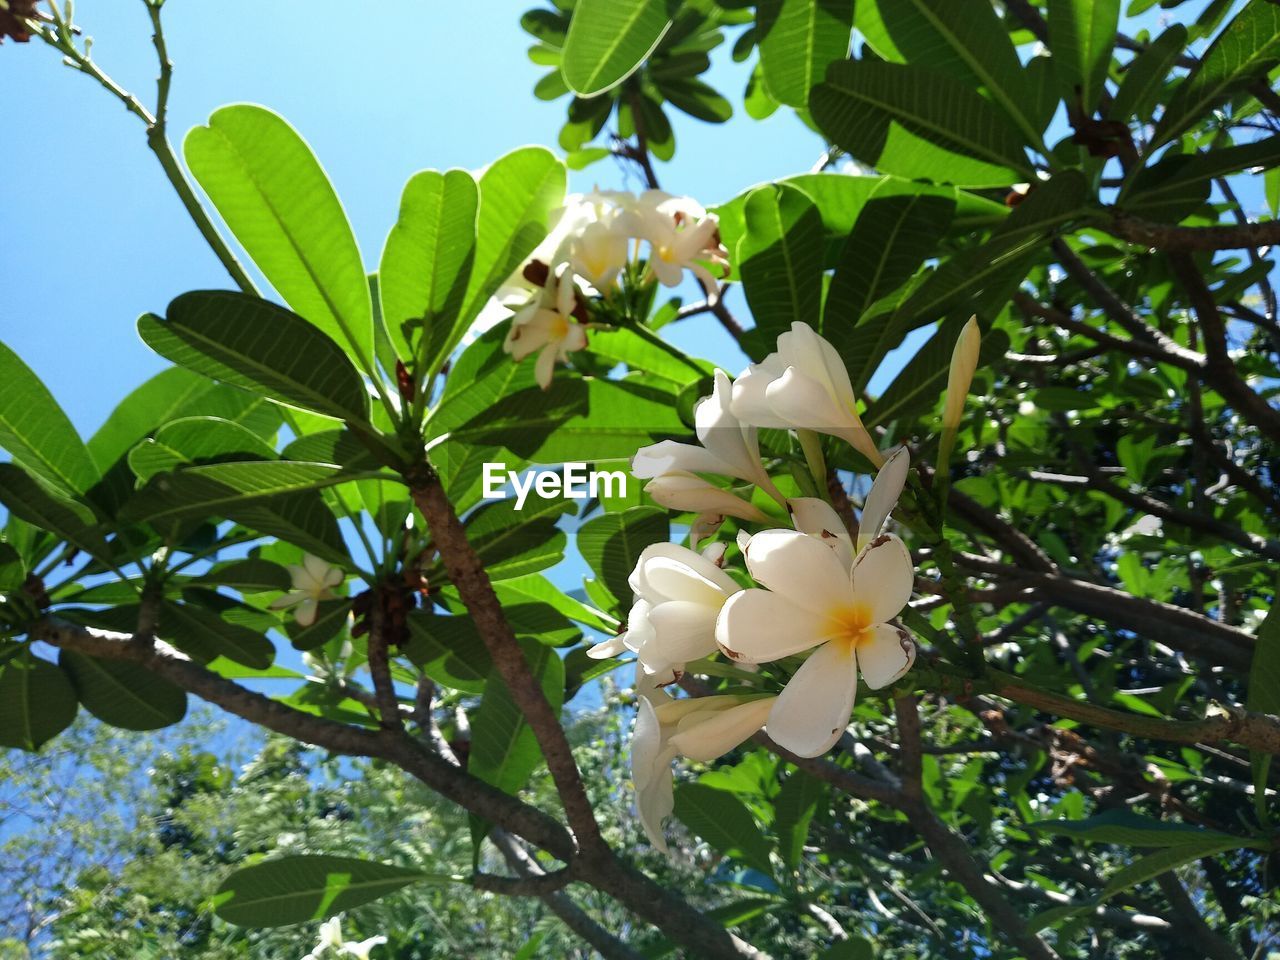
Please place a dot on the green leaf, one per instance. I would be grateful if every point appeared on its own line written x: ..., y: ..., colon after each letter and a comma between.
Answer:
x: 426, y: 263
x: 1264, y: 694
x: 794, y: 807
x: 780, y: 260
x: 1081, y: 36
x: 855, y: 948
x: 611, y: 544
x: 331, y: 619
x: 608, y: 40
x: 251, y: 575
x: 640, y: 349
x: 274, y: 195
x: 892, y: 237
x: 515, y: 543
x: 212, y: 489
x: 963, y: 38
x: 1131, y: 829
x: 71, y: 521
x: 699, y: 100
x: 301, y: 888
x: 798, y: 39
x: 205, y: 635
x: 504, y: 750
x: 518, y: 194
x: 251, y: 343
x: 1180, y: 182
x: 37, y: 701
x: 448, y: 650
x: 193, y: 439
x: 123, y: 694
x: 914, y: 121
x: 723, y: 821
x: 1247, y: 49
x: 1147, y: 74
x: 35, y: 431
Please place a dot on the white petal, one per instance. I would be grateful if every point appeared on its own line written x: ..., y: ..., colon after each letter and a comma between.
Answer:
x: 545, y: 367
x: 801, y: 567
x: 669, y: 456
x: 883, y: 496
x: 715, y: 553
x: 638, y: 629
x: 804, y: 402
x: 819, y: 360
x: 317, y: 569
x: 722, y: 433
x: 526, y: 338
x: 756, y: 626
x: 814, y: 707
x: 819, y: 519
x: 289, y: 599
x: 305, y: 612
x: 682, y: 631
x: 607, y: 648
x: 334, y: 577
x: 668, y: 571
x: 883, y: 578
x: 717, y: 736
x: 687, y: 493
x: 885, y: 655
x: 749, y: 403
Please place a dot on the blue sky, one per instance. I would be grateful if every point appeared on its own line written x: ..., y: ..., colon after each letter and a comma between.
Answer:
x: 96, y: 237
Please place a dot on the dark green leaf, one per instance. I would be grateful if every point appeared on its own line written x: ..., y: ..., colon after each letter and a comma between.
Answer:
x: 196, y: 439
x: 723, y: 821
x: 37, y: 701
x: 205, y: 635
x: 1081, y: 36
x: 448, y: 650
x: 1147, y: 74
x: 611, y: 544
x: 29, y: 501
x: 123, y: 694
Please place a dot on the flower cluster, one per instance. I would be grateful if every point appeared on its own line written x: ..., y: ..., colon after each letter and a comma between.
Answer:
x: 815, y: 589
x: 332, y: 944
x: 595, y: 242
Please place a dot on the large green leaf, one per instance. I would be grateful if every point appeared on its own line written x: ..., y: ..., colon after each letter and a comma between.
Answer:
x: 193, y: 439
x: 795, y: 806
x: 204, y: 635
x: 1081, y: 36
x: 964, y: 38
x: 37, y: 701
x: 723, y: 821
x: 28, y: 500
x: 1180, y: 182
x: 35, y: 431
x: 611, y: 545
x: 122, y: 694
x: 608, y: 40
x: 208, y: 490
x: 780, y: 260
x: 892, y: 237
x: 504, y: 749
x: 311, y: 887
x: 254, y: 344
x: 518, y: 193
x: 448, y: 650
x: 914, y: 121
x: 798, y: 39
x: 426, y: 263
x: 1131, y: 829
x: 277, y: 200
x: 1147, y: 74
x: 514, y: 543
x: 1247, y: 49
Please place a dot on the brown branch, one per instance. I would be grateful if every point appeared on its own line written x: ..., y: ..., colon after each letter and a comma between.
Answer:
x: 906, y: 710
x: 1204, y: 522
x: 531, y: 885
x: 1171, y: 238
x: 1193, y: 632
x: 380, y: 666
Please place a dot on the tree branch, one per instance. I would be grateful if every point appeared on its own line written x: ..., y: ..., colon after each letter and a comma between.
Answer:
x: 1172, y: 238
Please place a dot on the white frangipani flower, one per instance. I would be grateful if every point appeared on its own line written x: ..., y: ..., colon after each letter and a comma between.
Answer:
x: 546, y: 326
x: 331, y: 939
x: 679, y: 594
x: 361, y: 949
x: 803, y: 386
x: 313, y: 581
x: 816, y: 598
x: 701, y: 728
x: 728, y: 448
x: 680, y: 234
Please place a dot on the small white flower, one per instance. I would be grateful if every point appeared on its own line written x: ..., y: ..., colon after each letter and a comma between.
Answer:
x: 691, y: 494
x: 680, y: 234
x: 803, y: 386
x: 546, y: 326
x: 313, y: 581
x: 701, y: 728
x: 360, y: 950
x: 678, y: 594
x: 817, y: 598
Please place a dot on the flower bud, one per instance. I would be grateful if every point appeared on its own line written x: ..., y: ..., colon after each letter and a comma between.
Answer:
x: 964, y: 361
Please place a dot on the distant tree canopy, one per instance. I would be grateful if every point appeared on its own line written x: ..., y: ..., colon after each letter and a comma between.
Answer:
x: 964, y: 649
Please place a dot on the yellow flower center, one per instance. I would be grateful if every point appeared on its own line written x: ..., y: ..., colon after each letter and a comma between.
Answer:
x: 851, y: 626
x: 559, y: 327
x: 665, y: 254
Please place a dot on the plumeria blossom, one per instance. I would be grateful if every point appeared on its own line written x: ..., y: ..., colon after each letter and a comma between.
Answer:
x: 678, y: 595
x: 804, y: 385
x: 689, y: 493
x: 700, y: 728
x: 313, y: 581
x: 823, y: 594
x: 546, y: 326
x: 331, y: 939
x: 680, y: 234
x: 729, y: 447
